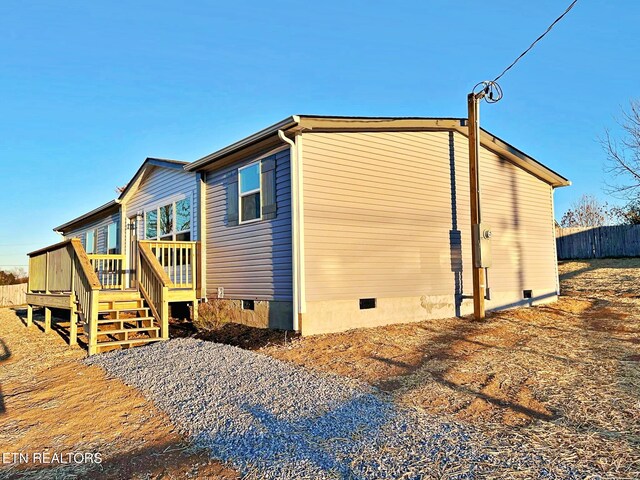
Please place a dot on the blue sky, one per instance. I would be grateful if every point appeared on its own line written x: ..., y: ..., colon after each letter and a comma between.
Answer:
x: 89, y: 89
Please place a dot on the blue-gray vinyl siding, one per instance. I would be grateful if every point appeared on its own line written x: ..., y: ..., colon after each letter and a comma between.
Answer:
x: 252, y: 260
x: 101, y: 226
x: 161, y: 186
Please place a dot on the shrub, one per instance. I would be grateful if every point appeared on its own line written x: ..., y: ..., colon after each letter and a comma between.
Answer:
x: 215, y: 313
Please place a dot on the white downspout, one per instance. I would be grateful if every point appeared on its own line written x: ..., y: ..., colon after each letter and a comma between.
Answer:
x: 295, y: 227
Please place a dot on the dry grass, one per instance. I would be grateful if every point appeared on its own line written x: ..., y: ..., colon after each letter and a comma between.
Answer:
x: 563, y: 378
x: 51, y: 402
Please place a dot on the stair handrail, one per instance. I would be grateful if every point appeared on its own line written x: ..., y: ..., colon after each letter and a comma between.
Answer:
x: 154, y: 284
x: 85, y: 285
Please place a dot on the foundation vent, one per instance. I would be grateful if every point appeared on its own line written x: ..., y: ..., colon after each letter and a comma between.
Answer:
x: 366, y: 303
x: 248, y: 305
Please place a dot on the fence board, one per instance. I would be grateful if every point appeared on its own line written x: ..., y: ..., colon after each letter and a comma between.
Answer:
x: 13, y: 294
x: 598, y: 242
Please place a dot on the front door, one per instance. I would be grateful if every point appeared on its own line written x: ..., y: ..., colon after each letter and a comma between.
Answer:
x: 132, y: 234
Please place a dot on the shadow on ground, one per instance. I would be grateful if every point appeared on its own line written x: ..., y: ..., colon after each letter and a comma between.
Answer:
x: 5, y: 354
x: 163, y: 460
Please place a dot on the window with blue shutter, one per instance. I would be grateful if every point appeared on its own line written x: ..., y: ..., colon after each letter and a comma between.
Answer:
x: 251, y: 192
x: 250, y: 189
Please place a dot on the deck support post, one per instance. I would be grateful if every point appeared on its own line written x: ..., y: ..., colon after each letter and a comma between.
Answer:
x: 92, y: 319
x: 194, y: 311
x: 73, y: 326
x: 92, y: 348
x: 29, y: 315
x: 164, y: 314
x: 47, y: 320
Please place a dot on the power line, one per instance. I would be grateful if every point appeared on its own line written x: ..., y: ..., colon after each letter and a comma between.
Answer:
x: 537, y: 40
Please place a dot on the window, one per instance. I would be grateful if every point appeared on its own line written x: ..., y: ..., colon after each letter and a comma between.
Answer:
x: 90, y: 239
x: 249, y: 189
x: 166, y: 222
x: 113, y: 240
x: 251, y: 192
x: 183, y: 215
x: 169, y: 222
x: 151, y: 225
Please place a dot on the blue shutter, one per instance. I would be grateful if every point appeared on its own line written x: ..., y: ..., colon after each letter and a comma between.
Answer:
x: 232, y: 198
x: 268, y: 169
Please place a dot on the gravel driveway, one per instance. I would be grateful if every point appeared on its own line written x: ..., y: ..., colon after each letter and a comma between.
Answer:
x: 271, y: 419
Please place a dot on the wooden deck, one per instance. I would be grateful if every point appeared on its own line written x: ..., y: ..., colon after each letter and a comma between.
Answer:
x: 114, y: 307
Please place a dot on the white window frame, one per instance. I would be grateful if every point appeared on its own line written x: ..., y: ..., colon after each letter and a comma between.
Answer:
x: 109, y: 238
x: 251, y: 192
x: 144, y: 224
x: 162, y: 238
x: 94, y: 248
x: 169, y: 201
x: 175, y: 217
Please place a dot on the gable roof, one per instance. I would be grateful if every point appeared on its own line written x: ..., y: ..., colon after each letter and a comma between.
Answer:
x: 128, y: 191
x: 346, y: 124
x: 149, y: 162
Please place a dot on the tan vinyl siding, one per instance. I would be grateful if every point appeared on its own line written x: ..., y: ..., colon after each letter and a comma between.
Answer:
x: 101, y: 225
x: 250, y: 260
x: 162, y: 185
x: 519, y: 209
x: 378, y: 217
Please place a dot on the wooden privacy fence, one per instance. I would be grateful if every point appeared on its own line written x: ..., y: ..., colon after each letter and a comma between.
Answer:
x: 598, y: 242
x: 13, y: 294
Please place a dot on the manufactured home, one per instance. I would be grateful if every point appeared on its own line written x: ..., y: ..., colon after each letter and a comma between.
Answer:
x: 315, y: 224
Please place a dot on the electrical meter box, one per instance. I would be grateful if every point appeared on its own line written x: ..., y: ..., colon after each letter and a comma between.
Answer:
x: 482, y: 245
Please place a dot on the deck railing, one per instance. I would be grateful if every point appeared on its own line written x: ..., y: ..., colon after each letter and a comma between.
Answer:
x: 109, y: 269
x: 50, y: 269
x: 65, y: 268
x: 178, y: 259
x: 154, y: 284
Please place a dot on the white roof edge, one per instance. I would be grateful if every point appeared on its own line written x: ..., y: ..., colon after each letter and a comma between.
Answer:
x: 488, y: 139
x: 95, y: 211
x: 256, y: 137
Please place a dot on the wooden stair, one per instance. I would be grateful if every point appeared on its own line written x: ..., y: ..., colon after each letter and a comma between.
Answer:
x: 124, y: 321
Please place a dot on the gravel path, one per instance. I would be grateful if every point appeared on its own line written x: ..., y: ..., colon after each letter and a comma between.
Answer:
x: 271, y: 419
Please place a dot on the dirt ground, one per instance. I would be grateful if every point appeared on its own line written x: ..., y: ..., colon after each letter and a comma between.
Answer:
x: 49, y: 402
x: 563, y: 379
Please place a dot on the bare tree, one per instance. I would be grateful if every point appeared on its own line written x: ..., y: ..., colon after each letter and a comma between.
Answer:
x: 629, y: 214
x: 11, y: 277
x: 587, y: 211
x: 623, y: 156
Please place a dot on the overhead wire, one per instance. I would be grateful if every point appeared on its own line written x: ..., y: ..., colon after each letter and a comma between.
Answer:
x: 536, y: 40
